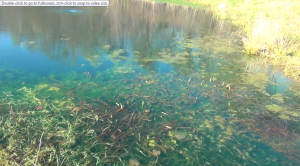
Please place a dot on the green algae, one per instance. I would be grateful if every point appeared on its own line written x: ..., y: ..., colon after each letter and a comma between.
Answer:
x: 258, y: 80
x: 274, y: 108
x: 278, y: 97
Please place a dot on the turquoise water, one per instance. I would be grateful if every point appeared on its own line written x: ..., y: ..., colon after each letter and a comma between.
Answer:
x: 138, y: 84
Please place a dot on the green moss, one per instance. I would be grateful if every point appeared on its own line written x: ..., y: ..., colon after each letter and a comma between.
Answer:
x: 274, y: 108
x: 294, y: 114
x: 53, y: 88
x: 152, y: 143
x: 40, y: 87
x: 278, y: 97
x: 284, y: 117
x: 258, y: 80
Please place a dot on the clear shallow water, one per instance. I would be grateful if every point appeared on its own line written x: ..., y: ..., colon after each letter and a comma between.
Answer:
x: 143, y: 83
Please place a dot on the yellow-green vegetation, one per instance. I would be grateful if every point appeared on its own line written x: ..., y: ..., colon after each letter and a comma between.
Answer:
x: 269, y: 28
x: 265, y: 37
x: 258, y: 80
x: 43, y: 134
x: 152, y: 143
x: 283, y: 113
x: 256, y: 65
x: 85, y: 125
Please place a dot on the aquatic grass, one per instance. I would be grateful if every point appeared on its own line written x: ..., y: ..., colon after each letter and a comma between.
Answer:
x: 256, y: 65
x: 86, y: 129
x: 22, y: 145
x: 88, y: 126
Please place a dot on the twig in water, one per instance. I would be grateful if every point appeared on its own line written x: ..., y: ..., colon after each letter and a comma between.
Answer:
x: 57, y: 161
x: 37, y: 156
x: 156, y: 160
x: 131, y: 117
x: 140, y: 152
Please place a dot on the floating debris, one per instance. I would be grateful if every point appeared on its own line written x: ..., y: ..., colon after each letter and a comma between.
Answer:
x: 165, y: 113
x: 155, y: 152
x: 228, y: 87
x: 121, y: 109
x: 169, y: 127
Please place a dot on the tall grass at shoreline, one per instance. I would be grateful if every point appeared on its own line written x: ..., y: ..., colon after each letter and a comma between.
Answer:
x: 265, y: 37
x: 275, y: 34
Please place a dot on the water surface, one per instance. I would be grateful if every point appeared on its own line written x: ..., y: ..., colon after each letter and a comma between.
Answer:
x: 138, y: 83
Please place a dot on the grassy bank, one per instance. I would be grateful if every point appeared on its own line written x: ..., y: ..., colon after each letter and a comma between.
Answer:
x: 268, y: 28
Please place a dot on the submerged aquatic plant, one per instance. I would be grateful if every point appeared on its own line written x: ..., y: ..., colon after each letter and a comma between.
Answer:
x: 180, y: 135
x: 145, y: 117
x: 257, y: 65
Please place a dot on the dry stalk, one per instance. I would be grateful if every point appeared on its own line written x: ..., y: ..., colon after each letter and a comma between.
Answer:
x: 37, y: 156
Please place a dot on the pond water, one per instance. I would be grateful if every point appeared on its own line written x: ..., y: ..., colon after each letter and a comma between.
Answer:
x: 138, y: 83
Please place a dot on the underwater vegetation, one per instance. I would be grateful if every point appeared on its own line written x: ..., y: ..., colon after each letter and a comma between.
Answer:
x: 156, y: 97
x: 146, y: 118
